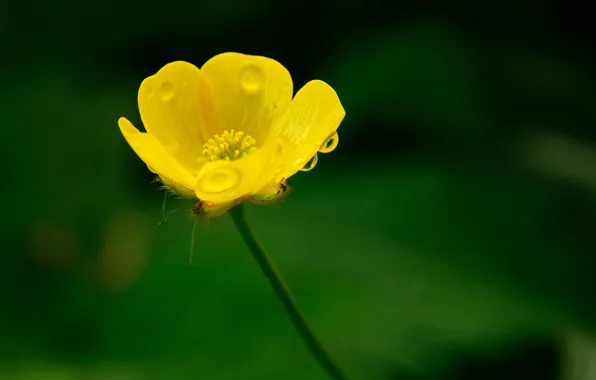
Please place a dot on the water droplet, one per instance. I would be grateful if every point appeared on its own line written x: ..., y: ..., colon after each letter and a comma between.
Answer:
x: 167, y: 91
x: 251, y: 79
x: 219, y: 180
x: 310, y: 164
x: 330, y: 143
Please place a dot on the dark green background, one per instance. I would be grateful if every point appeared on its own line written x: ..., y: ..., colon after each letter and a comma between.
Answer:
x: 449, y: 236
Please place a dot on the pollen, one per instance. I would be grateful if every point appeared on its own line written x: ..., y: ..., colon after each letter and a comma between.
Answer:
x: 229, y: 146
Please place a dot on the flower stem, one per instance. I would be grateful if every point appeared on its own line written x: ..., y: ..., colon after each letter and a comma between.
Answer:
x: 283, y: 294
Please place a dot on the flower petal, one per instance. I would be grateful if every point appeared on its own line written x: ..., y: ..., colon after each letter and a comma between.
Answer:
x: 175, y: 110
x: 249, y: 92
x: 309, y: 126
x: 206, y: 210
x: 271, y: 193
x: 150, y: 150
x: 227, y: 181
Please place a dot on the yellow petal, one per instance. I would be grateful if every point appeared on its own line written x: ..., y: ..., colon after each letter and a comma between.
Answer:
x: 271, y: 193
x: 171, y: 105
x: 206, y: 210
x: 227, y: 181
x: 249, y: 92
x: 309, y: 125
x: 150, y: 150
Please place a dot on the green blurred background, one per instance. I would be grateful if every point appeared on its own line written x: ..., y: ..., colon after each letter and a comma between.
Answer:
x: 450, y: 235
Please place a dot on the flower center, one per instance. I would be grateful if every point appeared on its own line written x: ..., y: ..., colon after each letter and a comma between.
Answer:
x: 229, y: 146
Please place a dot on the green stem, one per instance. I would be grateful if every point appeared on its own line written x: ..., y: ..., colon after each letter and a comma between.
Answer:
x: 283, y: 294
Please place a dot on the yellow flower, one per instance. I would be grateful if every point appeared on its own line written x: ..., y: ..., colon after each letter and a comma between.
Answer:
x: 231, y: 131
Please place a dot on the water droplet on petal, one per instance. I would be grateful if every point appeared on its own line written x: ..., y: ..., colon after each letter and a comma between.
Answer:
x: 251, y: 79
x: 330, y: 143
x: 219, y: 180
x: 310, y: 164
x: 167, y: 91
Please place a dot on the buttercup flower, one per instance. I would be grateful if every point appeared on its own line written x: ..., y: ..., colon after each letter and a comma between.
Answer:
x: 230, y: 131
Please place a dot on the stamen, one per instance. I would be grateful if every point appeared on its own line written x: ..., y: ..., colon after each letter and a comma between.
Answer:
x: 230, y: 145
